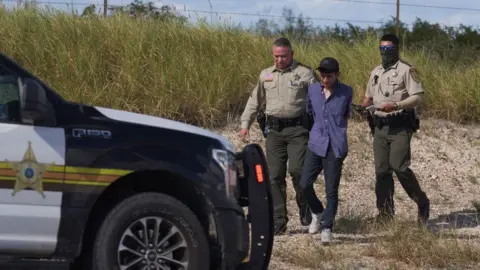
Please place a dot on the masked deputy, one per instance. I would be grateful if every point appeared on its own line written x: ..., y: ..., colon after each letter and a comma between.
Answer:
x: 281, y: 92
x: 395, y: 88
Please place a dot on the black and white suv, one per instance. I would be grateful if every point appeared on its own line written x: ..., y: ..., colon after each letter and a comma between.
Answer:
x: 84, y: 187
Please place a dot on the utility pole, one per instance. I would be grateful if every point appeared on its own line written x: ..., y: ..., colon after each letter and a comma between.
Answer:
x: 105, y: 4
x: 211, y: 11
x: 398, y: 16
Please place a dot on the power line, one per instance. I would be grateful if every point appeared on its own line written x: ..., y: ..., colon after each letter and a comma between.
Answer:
x: 280, y: 16
x: 266, y: 15
x: 251, y: 14
x: 407, y: 5
x: 219, y: 12
x: 55, y: 3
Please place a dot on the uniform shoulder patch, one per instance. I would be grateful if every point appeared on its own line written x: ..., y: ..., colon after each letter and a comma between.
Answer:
x: 414, y: 74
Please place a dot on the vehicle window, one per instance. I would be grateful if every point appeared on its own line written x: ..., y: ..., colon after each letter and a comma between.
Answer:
x: 9, y: 96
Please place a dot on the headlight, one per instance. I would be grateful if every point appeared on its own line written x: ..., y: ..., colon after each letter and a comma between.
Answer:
x: 226, y: 161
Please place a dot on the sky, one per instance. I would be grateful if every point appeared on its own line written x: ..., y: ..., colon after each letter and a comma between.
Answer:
x: 335, y: 11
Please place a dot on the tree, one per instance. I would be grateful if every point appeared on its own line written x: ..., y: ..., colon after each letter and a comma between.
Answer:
x: 89, y: 11
x: 148, y: 10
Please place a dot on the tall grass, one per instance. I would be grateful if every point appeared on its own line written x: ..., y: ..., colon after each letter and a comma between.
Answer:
x: 196, y: 75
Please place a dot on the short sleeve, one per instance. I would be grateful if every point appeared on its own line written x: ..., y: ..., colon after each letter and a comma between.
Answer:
x: 413, y: 82
x: 369, y: 89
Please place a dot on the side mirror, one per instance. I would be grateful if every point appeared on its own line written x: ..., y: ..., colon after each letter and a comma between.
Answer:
x: 33, y: 101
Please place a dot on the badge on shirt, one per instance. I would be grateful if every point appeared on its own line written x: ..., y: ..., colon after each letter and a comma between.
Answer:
x: 294, y: 83
x: 269, y: 77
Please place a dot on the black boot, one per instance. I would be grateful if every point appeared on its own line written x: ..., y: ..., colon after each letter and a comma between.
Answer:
x: 423, y: 213
x: 305, y: 215
x: 280, y: 227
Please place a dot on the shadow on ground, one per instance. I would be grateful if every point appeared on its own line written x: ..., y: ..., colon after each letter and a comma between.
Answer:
x: 359, y: 230
x: 456, y: 220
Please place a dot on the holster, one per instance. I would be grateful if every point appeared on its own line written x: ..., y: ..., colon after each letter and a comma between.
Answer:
x: 279, y: 124
x: 262, y: 122
x: 414, y: 120
x: 371, y: 123
x: 407, y: 119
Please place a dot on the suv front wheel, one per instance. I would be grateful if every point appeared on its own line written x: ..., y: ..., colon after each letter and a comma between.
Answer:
x: 151, y: 231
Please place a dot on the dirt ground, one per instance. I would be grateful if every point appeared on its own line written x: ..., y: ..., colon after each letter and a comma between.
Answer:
x: 446, y: 160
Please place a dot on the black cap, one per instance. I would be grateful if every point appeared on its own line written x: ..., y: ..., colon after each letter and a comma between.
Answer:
x: 328, y: 65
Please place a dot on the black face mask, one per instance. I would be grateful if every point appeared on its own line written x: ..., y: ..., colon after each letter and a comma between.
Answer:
x: 389, y: 57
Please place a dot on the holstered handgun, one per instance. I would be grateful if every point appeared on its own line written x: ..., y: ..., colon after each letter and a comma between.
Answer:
x: 371, y: 123
x: 413, y: 121
x: 262, y: 118
x: 262, y: 122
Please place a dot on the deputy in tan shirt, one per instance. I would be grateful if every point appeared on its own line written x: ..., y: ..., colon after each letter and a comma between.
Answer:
x: 281, y: 91
x: 395, y: 88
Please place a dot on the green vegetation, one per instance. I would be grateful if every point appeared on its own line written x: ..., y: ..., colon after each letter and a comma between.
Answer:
x: 199, y: 75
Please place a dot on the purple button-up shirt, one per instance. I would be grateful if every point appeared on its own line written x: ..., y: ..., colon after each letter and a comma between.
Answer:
x: 330, y: 119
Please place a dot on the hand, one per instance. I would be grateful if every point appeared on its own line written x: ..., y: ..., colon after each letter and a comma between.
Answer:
x: 358, y: 108
x: 243, y: 134
x: 361, y: 109
x: 387, y: 107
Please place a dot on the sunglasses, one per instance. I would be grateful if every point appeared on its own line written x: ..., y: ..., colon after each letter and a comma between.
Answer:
x: 386, y: 47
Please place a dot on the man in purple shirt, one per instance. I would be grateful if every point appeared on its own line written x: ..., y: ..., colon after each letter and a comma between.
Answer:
x: 329, y: 104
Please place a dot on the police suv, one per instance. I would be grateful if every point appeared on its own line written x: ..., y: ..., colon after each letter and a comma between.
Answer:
x: 84, y: 187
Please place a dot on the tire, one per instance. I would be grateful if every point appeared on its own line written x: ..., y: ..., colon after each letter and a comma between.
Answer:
x: 105, y: 248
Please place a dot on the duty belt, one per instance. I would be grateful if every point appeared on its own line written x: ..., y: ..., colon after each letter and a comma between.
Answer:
x: 404, y: 119
x: 280, y: 123
x: 384, y: 121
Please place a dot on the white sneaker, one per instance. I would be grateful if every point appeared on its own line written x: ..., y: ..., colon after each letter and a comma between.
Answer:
x: 326, y: 236
x: 315, y: 224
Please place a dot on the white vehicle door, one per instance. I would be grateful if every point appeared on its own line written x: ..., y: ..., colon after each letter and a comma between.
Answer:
x: 32, y: 165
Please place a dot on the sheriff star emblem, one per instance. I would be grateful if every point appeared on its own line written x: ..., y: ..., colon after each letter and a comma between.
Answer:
x: 29, y: 172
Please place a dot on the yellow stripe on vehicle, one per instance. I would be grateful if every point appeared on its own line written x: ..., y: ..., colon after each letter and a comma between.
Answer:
x: 57, y: 181
x: 51, y: 167
x: 11, y: 178
x: 72, y: 169
x: 70, y: 175
x: 100, y: 171
x: 85, y: 183
x: 56, y: 168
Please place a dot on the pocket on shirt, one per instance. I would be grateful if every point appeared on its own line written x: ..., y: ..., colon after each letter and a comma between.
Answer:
x: 271, y: 92
x: 296, y: 93
x: 338, y: 110
x: 396, y: 88
x: 339, y: 106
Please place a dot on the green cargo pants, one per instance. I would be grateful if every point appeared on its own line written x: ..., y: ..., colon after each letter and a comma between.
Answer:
x: 392, y: 153
x: 288, y: 144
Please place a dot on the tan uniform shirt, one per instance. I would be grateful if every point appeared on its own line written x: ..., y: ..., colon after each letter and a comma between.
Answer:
x: 393, y: 85
x: 283, y: 92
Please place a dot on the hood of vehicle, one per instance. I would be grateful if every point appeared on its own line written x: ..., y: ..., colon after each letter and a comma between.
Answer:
x: 160, y: 122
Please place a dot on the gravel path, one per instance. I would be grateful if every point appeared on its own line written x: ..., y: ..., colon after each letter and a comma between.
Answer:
x: 446, y: 159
